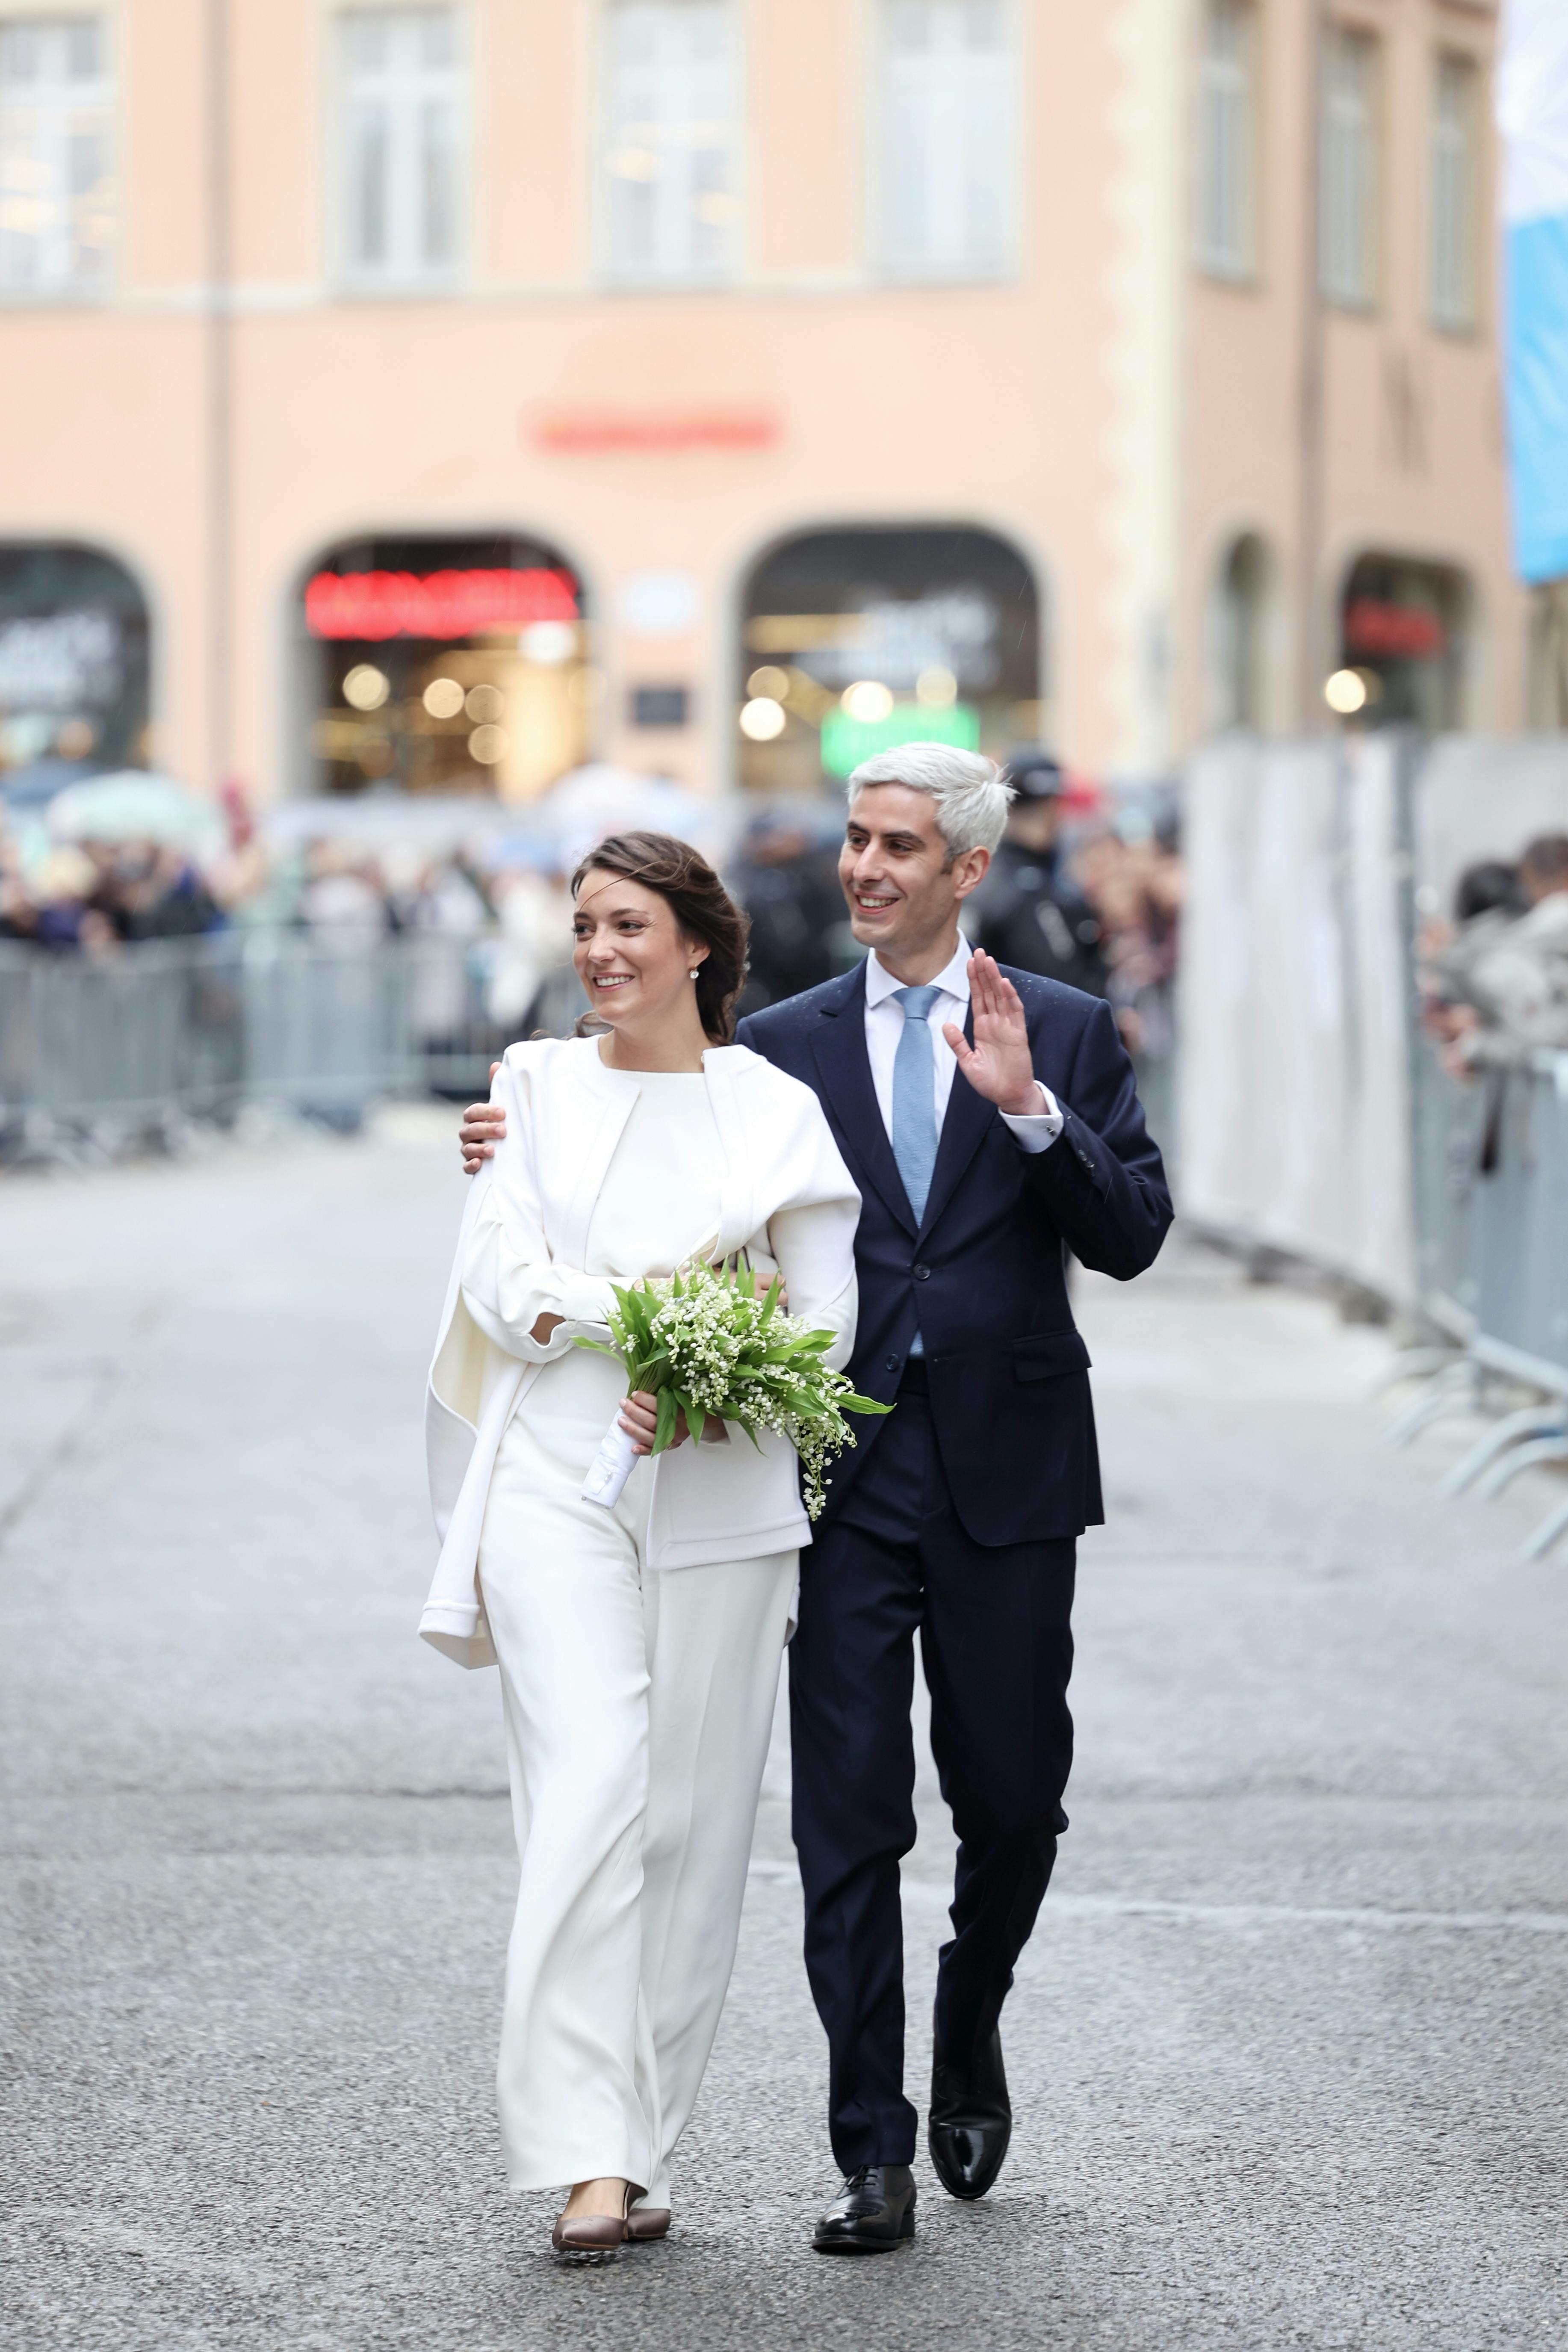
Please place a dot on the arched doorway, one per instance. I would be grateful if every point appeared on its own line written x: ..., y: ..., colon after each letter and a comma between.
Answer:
x: 860, y: 638
x: 1241, y: 634
x: 1402, y: 634
x: 446, y: 664
x: 73, y: 660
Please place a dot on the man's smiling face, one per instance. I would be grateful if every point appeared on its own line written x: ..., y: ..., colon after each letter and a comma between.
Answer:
x: 903, y: 888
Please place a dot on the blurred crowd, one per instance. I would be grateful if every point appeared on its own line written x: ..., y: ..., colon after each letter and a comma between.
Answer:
x: 1495, y: 976
x: 1071, y: 894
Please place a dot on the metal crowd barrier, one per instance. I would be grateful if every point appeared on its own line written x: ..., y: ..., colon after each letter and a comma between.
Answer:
x: 98, y: 1052
x: 1490, y: 1168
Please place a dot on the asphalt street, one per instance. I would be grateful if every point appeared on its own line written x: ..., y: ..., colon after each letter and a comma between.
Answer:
x: 1287, y: 2048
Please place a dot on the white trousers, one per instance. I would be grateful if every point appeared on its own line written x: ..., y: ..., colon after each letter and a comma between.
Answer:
x: 638, y: 1711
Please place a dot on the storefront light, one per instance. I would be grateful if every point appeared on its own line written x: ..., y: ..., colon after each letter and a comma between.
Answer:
x: 770, y: 681
x: 487, y: 745
x: 936, y: 688
x: 1345, y: 692
x: 762, y: 719
x: 484, y: 704
x: 443, y: 698
x: 439, y: 604
x: 867, y: 700
x: 549, y: 643
x: 367, y: 687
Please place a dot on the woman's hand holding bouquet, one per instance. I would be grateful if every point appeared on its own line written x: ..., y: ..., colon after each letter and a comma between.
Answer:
x: 701, y: 1345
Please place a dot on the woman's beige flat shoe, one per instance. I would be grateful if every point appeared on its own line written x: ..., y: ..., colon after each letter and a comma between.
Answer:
x: 598, y: 2234
x: 646, y: 2222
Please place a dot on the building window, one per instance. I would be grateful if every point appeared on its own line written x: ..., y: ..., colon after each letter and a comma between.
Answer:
x: 946, y: 138
x: 56, y: 198
x: 400, y: 146
x: 1241, y: 635
x: 1453, y: 252
x: 671, y: 139
x: 1350, y: 194
x: 1226, y: 188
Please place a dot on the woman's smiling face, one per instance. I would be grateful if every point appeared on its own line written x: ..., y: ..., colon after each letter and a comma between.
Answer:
x: 631, y: 956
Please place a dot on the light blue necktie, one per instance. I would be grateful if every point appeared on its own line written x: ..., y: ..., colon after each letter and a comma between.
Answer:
x: 914, y: 1096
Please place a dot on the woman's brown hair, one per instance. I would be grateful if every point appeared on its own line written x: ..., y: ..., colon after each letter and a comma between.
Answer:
x: 701, y: 905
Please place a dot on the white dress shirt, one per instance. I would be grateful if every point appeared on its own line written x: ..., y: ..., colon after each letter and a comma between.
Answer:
x: 885, y: 1025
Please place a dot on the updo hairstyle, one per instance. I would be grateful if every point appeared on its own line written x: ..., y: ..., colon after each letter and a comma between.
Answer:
x: 701, y: 905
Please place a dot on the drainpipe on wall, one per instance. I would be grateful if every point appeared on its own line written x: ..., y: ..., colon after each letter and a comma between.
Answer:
x: 219, y: 404
x: 1309, y: 666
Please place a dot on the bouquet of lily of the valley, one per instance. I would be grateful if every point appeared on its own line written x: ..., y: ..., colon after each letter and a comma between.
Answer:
x: 702, y: 1344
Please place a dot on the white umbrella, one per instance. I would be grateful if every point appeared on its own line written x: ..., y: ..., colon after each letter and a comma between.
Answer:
x: 593, y: 801
x: 133, y: 804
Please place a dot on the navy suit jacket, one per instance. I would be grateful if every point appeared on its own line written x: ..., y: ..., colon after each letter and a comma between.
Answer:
x: 982, y: 1274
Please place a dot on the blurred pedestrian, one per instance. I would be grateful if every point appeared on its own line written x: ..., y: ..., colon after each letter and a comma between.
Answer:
x: 1029, y: 911
x: 1512, y: 972
x: 343, y: 902
x: 787, y: 882
x: 151, y: 892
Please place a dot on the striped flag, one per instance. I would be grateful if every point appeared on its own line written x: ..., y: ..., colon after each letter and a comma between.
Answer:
x: 1531, y: 89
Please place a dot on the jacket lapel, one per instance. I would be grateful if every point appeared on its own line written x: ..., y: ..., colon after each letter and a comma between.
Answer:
x: 590, y: 1110
x: 967, y: 1117
x: 740, y: 1151
x: 838, y: 1048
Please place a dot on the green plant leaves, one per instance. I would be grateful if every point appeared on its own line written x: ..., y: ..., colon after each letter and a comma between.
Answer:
x: 702, y: 1344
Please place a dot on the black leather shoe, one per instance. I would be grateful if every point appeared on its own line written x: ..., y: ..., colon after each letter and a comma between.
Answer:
x: 970, y: 2122
x: 876, y: 2212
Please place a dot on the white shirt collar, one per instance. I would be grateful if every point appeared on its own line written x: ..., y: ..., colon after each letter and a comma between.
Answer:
x: 953, y: 982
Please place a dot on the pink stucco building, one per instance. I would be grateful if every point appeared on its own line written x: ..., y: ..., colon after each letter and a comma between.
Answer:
x: 622, y: 370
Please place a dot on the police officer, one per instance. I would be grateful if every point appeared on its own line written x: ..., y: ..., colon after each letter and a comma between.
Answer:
x: 1030, y: 913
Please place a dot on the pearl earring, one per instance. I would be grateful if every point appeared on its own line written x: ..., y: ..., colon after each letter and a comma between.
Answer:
x: 691, y: 975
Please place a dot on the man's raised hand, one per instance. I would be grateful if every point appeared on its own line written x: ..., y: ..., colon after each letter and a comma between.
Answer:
x: 484, y: 1124
x: 999, y: 1063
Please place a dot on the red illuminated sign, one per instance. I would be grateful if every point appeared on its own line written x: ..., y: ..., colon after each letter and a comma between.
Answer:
x: 374, y: 604
x: 1397, y: 631
x: 597, y: 431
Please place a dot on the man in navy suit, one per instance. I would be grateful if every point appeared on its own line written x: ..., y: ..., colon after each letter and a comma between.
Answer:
x: 991, y: 1122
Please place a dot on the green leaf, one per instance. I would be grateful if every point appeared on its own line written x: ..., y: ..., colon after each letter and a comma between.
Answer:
x: 696, y: 1419
x: 664, y: 1427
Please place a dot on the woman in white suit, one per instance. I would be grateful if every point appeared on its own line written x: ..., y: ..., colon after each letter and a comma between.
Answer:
x: 638, y: 1647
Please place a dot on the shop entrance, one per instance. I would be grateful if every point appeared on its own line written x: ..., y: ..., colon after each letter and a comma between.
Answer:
x: 1403, y: 628
x: 73, y: 663
x: 854, y: 640
x: 446, y: 666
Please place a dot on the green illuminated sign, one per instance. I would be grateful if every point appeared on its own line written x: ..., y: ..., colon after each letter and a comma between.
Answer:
x: 846, y: 741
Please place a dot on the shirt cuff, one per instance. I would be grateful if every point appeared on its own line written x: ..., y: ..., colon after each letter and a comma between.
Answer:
x: 1037, y: 1131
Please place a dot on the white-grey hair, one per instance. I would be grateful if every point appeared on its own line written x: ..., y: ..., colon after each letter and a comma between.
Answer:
x: 969, y: 794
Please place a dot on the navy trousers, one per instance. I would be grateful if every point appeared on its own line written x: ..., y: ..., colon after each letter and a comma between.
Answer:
x: 997, y: 1645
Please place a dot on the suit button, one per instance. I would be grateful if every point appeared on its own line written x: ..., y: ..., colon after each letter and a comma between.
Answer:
x: 892, y: 1363
x: 921, y: 1273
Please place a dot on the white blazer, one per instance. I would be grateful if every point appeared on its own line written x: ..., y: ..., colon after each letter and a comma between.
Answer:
x: 564, y: 1114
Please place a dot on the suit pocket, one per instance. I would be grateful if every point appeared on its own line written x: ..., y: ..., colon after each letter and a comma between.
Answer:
x: 1045, y: 1355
